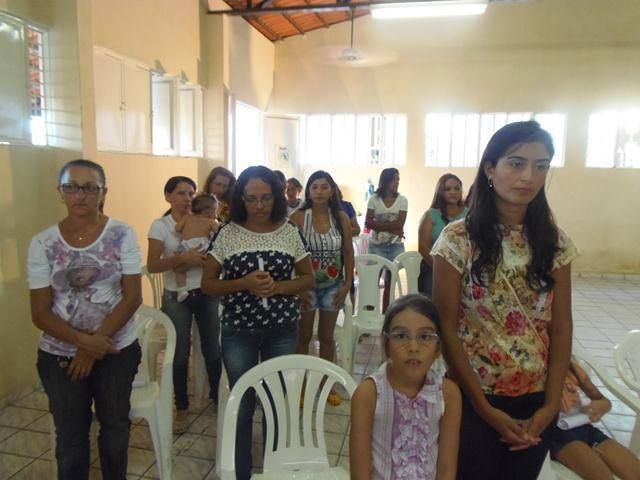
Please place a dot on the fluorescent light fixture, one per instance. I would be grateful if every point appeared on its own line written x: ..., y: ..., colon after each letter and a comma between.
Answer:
x: 434, y: 8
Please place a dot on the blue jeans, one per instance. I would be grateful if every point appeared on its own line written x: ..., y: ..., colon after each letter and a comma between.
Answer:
x: 109, y: 387
x: 205, y: 311
x: 386, y: 250
x: 241, y: 351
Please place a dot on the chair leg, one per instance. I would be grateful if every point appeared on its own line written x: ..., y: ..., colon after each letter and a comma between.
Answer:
x: 223, y: 397
x: 162, y: 437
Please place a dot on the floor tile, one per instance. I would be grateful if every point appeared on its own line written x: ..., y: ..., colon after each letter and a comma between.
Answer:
x: 26, y: 443
x: 38, y: 469
x: 18, y: 417
x: 10, y: 464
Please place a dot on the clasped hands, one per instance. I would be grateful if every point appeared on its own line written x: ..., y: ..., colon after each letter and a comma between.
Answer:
x: 521, y: 434
x: 91, y: 347
x: 261, y: 283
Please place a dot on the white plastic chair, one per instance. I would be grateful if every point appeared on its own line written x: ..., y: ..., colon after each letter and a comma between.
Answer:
x: 368, y: 316
x: 300, y: 452
x: 410, y: 262
x: 620, y: 392
x: 151, y: 400
x: 199, y: 368
x: 627, y: 357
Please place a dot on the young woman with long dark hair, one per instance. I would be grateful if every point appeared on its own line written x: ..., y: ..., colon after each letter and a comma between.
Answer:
x: 327, y: 230
x: 164, y: 256
x: 447, y: 206
x: 502, y: 284
x: 386, y: 215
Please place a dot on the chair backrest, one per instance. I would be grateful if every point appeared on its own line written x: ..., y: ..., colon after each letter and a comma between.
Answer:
x: 156, y: 280
x: 369, y: 267
x: 410, y: 262
x: 361, y: 244
x: 627, y: 357
x: 300, y: 443
x: 146, y: 320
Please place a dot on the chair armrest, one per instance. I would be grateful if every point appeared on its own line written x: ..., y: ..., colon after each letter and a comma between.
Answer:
x: 615, y: 387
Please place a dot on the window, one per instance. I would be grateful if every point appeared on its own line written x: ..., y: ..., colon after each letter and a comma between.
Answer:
x: 22, y: 82
x: 459, y: 139
x: 164, y: 105
x: 348, y: 139
x: 614, y: 139
x: 248, y: 141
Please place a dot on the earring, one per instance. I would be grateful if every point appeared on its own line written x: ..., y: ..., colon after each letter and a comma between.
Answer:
x: 490, y: 182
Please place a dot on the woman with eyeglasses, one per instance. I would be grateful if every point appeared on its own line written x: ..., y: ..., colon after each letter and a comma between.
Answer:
x: 502, y: 285
x: 84, y: 276
x: 258, y: 264
x: 165, y: 256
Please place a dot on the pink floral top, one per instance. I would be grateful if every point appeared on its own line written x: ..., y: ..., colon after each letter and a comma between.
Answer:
x: 507, y: 352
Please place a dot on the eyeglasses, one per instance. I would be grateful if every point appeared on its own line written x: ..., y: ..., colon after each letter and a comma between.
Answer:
x: 89, y: 189
x: 402, y: 338
x: 250, y: 199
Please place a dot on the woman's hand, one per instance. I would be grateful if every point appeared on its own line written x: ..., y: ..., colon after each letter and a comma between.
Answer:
x: 81, y: 365
x: 597, y: 408
x: 341, y: 294
x: 511, y: 431
x: 193, y: 258
x: 96, y: 345
x: 260, y: 283
x: 537, y: 424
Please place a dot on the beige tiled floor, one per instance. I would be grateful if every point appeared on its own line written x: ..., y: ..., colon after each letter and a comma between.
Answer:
x: 603, y: 308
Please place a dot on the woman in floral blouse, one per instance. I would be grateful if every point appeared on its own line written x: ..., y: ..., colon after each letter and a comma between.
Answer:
x: 502, y: 284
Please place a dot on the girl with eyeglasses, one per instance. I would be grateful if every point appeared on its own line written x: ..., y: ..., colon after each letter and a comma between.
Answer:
x: 405, y: 418
x: 84, y: 276
x: 258, y: 264
x: 502, y: 284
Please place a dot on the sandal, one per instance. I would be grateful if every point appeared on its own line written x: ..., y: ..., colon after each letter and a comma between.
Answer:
x: 334, y: 399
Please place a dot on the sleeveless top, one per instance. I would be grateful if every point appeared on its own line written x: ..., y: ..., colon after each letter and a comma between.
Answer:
x: 439, y: 222
x: 405, y: 432
x: 326, y: 251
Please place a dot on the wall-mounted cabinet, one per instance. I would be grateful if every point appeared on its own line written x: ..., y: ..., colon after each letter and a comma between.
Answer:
x: 123, y: 103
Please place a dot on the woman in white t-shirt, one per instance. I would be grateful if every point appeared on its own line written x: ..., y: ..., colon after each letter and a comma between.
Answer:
x: 84, y: 276
x: 386, y: 215
x: 162, y: 257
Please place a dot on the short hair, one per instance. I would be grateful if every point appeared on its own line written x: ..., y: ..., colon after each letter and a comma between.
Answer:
x: 296, y: 183
x: 414, y: 301
x: 202, y: 202
x: 238, y: 209
x: 82, y: 162
x: 224, y: 173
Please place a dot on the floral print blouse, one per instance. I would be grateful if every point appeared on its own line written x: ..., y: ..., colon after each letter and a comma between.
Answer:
x: 507, y: 350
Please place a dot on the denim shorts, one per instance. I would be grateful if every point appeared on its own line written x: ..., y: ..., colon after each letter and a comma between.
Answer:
x: 585, y: 433
x: 323, y: 298
x: 386, y: 250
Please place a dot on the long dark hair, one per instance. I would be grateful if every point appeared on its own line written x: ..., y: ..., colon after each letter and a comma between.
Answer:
x: 482, y: 221
x: 238, y: 209
x: 438, y: 201
x: 335, y: 207
x: 224, y: 173
x: 386, y: 176
x: 173, y: 183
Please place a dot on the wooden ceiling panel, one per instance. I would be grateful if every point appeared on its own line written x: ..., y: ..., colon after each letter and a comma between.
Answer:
x: 280, y: 25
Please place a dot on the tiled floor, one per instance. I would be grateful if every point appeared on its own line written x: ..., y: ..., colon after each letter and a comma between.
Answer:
x: 603, y: 310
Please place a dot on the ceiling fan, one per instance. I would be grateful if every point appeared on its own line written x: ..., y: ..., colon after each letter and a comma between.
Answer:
x: 363, y: 56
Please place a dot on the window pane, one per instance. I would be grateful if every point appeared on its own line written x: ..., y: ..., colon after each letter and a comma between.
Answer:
x: 395, y: 146
x: 471, y: 156
x: 248, y: 138
x: 342, y: 139
x: 363, y: 127
x: 601, y: 143
x: 437, y: 139
x: 318, y: 139
x: 555, y: 124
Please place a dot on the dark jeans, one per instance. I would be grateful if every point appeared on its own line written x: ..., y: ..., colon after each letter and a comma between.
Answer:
x: 243, y: 350
x: 204, y: 309
x: 109, y: 387
x: 483, y: 456
x: 425, y: 279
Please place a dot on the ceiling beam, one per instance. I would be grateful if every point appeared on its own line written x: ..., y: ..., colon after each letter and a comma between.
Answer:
x: 274, y: 35
x: 330, y: 7
x: 322, y: 20
x: 293, y: 23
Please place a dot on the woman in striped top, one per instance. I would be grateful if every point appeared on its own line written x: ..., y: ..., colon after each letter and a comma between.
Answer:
x: 327, y: 230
